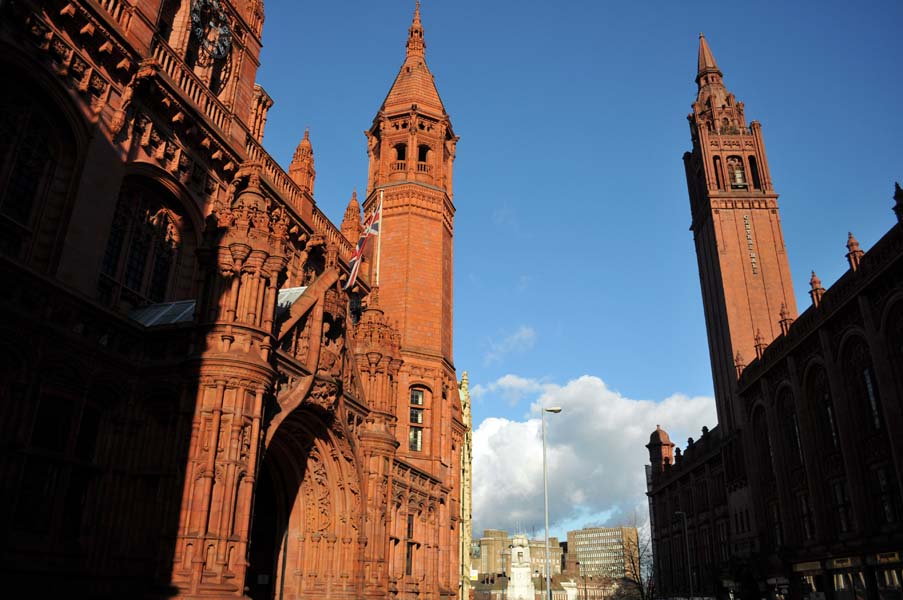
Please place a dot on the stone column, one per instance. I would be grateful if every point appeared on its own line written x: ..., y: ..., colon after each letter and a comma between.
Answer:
x: 243, y: 257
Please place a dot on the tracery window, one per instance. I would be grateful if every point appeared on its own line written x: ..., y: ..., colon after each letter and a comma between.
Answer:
x: 894, y: 340
x: 790, y: 423
x: 765, y: 457
x: 840, y: 500
x: 804, y: 516
x: 885, y: 493
x: 820, y: 397
x: 37, y: 154
x: 863, y: 387
x: 148, y: 248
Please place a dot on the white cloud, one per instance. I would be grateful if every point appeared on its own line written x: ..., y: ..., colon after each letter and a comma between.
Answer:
x: 595, y: 450
x: 512, y: 388
x: 519, y: 341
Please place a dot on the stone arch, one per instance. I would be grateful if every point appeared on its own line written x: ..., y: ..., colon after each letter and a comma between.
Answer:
x: 151, y: 244
x: 860, y: 382
x: 892, y: 308
x: 892, y: 333
x: 787, y: 410
x: 820, y: 400
x: 43, y: 142
x: 165, y: 180
x: 309, y: 547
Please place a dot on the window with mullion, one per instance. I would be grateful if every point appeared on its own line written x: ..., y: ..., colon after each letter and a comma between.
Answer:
x: 27, y: 153
x: 144, y: 245
x: 415, y: 439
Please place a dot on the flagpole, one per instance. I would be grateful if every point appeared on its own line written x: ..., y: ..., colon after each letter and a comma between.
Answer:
x: 379, y: 237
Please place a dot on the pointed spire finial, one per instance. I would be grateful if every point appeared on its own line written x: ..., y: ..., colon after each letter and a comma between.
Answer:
x: 786, y: 320
x: 817, y: 290
x: 301, y: 169
x: 854, y: 252
x: 351, y: 222
x: 706, y: 63
x: 759, y: 344
x: 415, y: 45
x: 814, y: 281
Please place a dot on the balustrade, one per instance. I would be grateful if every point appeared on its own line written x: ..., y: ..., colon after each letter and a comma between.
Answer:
x: 119, y: 10
x: 292, y: 194
x: 189, y: 83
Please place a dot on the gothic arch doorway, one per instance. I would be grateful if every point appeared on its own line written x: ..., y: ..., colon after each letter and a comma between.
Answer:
x: 306, y: 526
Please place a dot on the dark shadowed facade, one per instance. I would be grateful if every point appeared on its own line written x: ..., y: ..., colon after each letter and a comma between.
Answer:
x: 797, y: 491
x: 192, y: 404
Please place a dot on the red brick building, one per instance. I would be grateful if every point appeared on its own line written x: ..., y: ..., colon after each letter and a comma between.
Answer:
x: 797, y: 491
x: 193, y: 405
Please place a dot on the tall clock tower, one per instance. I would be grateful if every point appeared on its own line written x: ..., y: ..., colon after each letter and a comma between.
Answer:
x: 743, y: 267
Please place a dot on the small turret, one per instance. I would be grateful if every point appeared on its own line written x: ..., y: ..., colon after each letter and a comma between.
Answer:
x: 760, y: 344
x: 854, y: 252
x: 661, y: 449
x: 351, y: 223
x: 302, y: 168
x: 817, y: 290
x: 786, y: 320
x: 739, y: 363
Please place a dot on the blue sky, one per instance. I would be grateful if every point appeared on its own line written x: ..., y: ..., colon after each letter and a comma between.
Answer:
x: 572, y: 251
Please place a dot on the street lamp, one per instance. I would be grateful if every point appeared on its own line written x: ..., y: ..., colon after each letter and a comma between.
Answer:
x: 582, y: 573
x: 545, y: 489
x: 683, y: 516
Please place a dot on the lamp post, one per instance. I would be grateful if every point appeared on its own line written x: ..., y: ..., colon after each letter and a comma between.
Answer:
x: 683, y: 517
x: 545, y: 489
x: 583, y: 575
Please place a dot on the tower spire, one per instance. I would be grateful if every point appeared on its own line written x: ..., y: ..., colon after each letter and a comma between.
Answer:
x: 706, y: 64
x: 737, y: 231
x: 416, y: 45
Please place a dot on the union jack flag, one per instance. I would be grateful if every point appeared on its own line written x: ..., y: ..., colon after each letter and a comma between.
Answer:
x: 371, y: 229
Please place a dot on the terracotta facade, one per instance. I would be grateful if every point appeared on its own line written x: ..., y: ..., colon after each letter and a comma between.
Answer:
x: 796, y: 493
x: 193, y: 405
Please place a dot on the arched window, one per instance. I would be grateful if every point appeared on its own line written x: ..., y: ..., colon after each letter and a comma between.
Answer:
x: 37, y: 159
x: 764, y: 455
x: 754, y: 173
x: 401, y: 152
x: 166, y: 22
x: 419, y: 403
x: 862, y: 386
x: 423, y: 152
x: 791, y: 428
x: 716, y: 165
x: 736, y: 173
x: 894, y: 339
x: 150, y: 248
x: 819, y: 394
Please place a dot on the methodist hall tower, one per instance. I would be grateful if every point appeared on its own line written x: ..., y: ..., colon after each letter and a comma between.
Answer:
x: 743, y: 268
